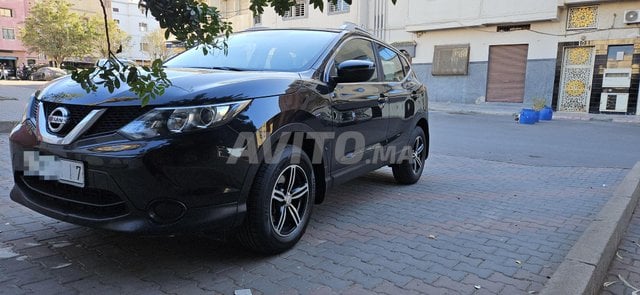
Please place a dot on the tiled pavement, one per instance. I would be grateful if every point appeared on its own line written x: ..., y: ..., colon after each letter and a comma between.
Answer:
x: 468, y: 227
x: 626, y: 264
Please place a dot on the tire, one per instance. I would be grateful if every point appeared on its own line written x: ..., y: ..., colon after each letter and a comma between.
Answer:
x: 410, y: 170
x: 270, y: 226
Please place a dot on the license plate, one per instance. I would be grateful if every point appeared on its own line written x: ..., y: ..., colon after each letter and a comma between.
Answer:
x: 49, y: 167
x: 71, y: 172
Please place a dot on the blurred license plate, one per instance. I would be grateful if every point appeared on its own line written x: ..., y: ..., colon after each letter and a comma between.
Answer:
x: 71, y: 172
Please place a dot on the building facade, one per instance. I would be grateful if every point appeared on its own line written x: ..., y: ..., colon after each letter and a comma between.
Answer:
x: 578, y: 55
x: 137, y: 24
x: 90, y: 7
x: 12, y: 53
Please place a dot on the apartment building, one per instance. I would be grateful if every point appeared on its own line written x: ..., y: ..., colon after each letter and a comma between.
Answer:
x: 579, y: 55
x: 137, y: 24
x: 12, y: 52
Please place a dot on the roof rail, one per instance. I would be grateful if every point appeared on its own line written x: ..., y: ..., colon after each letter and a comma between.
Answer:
x: 349, y: 26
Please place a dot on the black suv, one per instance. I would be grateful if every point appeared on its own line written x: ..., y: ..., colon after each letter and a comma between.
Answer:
x: 245, y: 142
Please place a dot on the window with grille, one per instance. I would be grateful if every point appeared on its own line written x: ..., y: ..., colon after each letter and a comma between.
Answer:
x: 6, y: 12
x: 298, y: 10
x: 9, y: 34
x: 143, y: 27
x: 257, y: 19
x: 340, y: 7
x: 144, y: 46
x: 116, y: 9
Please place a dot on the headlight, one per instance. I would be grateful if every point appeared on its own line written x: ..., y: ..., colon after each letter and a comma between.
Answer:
x: 165, y: 121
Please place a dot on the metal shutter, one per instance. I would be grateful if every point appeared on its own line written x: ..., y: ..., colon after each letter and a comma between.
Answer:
x: 507, y: 67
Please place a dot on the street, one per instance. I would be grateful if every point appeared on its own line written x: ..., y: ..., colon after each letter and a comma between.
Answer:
x: 497, y: 210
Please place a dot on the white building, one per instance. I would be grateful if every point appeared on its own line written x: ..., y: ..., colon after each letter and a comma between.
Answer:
x: 137, y: 24
x: 580, y: 55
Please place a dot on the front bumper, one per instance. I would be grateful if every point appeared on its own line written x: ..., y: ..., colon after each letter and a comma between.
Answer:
x: 162, y: 186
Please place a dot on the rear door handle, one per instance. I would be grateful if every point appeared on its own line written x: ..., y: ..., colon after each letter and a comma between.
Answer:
x: 414, y: 95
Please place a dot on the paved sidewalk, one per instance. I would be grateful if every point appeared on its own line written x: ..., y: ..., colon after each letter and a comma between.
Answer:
x: 626, y: 264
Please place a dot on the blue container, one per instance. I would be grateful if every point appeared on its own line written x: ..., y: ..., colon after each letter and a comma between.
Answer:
x: 546, y: 114
x: 537, y: 116
x: 528, y: 116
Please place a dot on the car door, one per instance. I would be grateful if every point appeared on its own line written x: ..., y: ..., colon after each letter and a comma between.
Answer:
x: 359, y: 115
x: 400, y: 90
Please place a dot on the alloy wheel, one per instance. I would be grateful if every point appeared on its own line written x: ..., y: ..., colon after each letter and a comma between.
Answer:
x: 289, y: 200
x: 418, y: 155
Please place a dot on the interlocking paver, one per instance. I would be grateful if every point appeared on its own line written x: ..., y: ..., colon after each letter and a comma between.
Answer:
x: 627, y: 264
x: 463, y: 225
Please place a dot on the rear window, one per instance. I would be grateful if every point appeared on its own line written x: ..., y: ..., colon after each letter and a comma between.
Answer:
x: 277, y: 50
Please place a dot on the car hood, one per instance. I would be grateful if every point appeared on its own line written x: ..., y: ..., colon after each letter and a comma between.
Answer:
x: 190, y: 87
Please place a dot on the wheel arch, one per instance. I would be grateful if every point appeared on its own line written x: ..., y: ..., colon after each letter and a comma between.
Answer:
x: 424, y: 124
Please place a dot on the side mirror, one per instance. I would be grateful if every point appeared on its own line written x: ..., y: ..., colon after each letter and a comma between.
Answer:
x: 350, y: 71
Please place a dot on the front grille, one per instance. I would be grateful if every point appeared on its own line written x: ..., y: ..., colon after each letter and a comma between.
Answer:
x: 111, y: 121
x: 85, y: 202
x: 34, y: 111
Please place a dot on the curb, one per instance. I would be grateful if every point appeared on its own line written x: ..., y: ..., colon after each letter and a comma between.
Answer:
x: 584, y: 269
x: 6, y: 126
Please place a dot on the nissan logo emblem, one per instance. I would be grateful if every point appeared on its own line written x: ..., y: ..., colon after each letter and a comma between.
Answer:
x: 58, y: 119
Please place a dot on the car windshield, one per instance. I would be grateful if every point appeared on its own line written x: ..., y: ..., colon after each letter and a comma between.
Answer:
x: 277, y: 50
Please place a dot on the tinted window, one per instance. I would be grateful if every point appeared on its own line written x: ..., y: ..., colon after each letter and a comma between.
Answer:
x: 358, y: 49
x: 277, y: 50
x: 391, y: 66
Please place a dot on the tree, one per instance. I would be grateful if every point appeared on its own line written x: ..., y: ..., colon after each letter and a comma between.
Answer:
x: 156, y: 45
x: 190, y: 21
x: 52, y: 29
x: 119, y: 38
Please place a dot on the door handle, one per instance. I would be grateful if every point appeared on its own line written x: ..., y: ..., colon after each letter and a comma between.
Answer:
x: 383, y: 99
x: 414, y: 95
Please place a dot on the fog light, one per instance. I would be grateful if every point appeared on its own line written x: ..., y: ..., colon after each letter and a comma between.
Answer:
x: 166, y: 211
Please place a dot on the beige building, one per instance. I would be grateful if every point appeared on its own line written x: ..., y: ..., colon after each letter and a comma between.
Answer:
x: 235, y: 11
x: 579, y: 55
x: 92, y: 7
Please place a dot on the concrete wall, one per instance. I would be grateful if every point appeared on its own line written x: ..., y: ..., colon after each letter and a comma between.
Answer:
x: 235, y: 11
x: 472, y: 88
x: 91, y: 7
x: 444, y: 14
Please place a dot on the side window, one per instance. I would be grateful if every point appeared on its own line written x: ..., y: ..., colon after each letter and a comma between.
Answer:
x: 358, y: 49
x: 392, y: 68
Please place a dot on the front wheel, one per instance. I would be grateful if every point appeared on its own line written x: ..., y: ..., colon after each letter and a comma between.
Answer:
x: 410, y: 170
x: 280, y: 203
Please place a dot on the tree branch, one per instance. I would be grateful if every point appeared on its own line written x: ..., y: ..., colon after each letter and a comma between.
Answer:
x: 106, y: 26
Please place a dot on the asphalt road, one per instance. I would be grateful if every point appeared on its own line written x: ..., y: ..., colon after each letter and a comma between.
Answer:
x: 558, y: 143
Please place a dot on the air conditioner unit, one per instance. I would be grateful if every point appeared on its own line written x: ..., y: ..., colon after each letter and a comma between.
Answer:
x: 614, y: 102
x: 632, y: 16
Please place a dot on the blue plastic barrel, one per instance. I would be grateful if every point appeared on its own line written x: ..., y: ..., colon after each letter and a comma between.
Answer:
x: 528, y: 116
x: 546, y: 114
